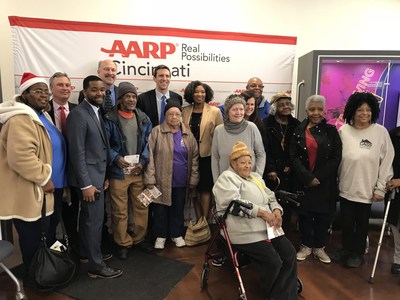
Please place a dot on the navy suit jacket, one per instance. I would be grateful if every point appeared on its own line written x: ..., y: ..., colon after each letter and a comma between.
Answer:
x: 87, y: 148
x: 147, y: 102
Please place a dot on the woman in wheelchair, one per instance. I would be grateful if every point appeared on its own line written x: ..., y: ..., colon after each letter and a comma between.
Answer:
x: 274, y: 258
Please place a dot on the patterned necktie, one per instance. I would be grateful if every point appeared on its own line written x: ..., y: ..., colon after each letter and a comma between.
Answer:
x: 108, y: 102
x: 63, y: 120
x: 163, y: 100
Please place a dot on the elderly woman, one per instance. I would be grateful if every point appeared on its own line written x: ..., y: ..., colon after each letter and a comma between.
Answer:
x: 202, y: 119
x: 315, y: 154
x: 365, y: 169
x: 172, y: 168
x: 279, y: 126
x: 274, y: 257
x: 236, y: 128
x: 25, y: 163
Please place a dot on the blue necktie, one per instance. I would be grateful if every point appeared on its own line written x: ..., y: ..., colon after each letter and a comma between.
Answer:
x: 163, y: 98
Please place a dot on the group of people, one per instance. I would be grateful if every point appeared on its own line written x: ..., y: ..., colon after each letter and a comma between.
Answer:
x: 116, y: 143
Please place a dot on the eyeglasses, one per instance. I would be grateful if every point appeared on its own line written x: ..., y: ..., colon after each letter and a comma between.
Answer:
x: 254, y: 86
x: 40, y: 92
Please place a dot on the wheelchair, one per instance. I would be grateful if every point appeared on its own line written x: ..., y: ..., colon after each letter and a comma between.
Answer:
x: 218, y: 242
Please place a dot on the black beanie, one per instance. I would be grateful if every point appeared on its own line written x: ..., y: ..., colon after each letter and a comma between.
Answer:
x: 172, y: 103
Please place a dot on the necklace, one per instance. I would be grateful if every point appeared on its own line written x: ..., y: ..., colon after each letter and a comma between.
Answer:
x: 283, y: 133
x: 194, y: 124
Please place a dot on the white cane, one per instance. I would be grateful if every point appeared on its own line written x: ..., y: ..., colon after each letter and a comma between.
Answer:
x: 391, y: 197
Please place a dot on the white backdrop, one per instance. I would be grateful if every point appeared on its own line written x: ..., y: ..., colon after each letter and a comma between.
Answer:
x: 224, y: 60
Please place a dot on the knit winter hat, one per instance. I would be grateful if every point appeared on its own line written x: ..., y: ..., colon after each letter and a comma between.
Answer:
x: 231, y: 101
x: 239, y: 149
x: 171, y: 102
x: 279, y: 96
x: 29, y: 79
x: 125, y: 88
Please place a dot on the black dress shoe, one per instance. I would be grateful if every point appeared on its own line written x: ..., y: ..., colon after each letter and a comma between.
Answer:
x: 122, y: 253
x: 105, y: 272
x: 144, y: 246
x: 395, y: 269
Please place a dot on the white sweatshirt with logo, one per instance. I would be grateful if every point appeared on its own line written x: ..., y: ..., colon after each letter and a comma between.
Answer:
x: 366, y: 164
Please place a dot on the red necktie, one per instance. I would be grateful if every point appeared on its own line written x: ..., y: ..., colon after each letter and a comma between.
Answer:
x: 63, y: 119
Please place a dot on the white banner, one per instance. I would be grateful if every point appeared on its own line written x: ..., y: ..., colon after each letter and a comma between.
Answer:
x: 224, y: 60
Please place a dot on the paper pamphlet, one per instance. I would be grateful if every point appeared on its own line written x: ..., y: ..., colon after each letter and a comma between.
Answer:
x: 132, y: 160
x: 58, y: 246
x: 148, y: 195
x: 274, y: 232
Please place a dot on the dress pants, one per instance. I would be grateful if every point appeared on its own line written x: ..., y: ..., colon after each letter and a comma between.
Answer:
x: 70, y: 214
x: 276, y: 263
x: 91, y: 218
x: 123, y: 194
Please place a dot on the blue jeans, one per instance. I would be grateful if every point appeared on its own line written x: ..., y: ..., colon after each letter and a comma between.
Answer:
x: 169, y: 220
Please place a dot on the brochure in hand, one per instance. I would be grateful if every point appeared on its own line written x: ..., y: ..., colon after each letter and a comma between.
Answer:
x: 132, y: 160
x: 148, y: 195
x: 274, y: 232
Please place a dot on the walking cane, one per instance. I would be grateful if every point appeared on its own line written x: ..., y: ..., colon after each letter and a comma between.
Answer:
x: 391, y: 197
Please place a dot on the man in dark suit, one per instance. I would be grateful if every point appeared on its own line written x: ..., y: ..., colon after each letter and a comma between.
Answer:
x: 151, y: 102
x: 60, y: 107
x: 87, y: 149
x: 107, y: 71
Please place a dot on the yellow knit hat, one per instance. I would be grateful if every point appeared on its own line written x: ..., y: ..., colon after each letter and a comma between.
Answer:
x: 239, y: 149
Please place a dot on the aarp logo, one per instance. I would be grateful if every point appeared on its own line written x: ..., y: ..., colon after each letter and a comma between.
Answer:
x: 140, y: 50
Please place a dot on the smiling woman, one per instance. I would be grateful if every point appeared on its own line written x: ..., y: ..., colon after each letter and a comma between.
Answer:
x: 26, y: 162
x: 315, y: 153
x: 361, y: 184
x: 236, y: 128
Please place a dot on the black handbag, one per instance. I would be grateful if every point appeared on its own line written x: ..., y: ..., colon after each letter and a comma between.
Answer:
x: 51, y: 268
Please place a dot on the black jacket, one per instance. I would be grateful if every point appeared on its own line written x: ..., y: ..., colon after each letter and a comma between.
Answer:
x: 322, y: 198
x: 278, y: 158
x: 394, y: 211
x: 147, y: 102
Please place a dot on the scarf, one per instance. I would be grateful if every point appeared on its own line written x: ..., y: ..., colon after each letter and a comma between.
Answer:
x: 235, y: 128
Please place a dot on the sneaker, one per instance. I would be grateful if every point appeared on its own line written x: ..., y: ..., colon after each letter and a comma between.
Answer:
x: 354, y: 261
x: 123, y: 253
x: 218, y: 262
x: 179, y: 241
x: 160, y: 243
x: 395, y: 269
x: 320, y: 254
x: 303, y: 253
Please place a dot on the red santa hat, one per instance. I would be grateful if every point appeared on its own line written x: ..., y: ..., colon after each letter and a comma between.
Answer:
x: 28, y: 79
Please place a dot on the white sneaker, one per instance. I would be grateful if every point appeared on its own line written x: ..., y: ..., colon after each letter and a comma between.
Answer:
x: 303, y: 253
x: 179, y: 241
x: 160, y: 243
x: 320, y: 254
